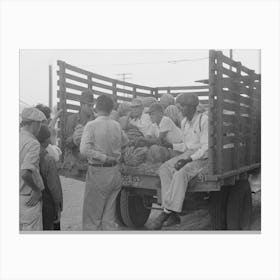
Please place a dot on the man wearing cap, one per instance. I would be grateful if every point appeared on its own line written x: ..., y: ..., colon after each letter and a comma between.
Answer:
x: 74, y: 129
x: 178, y: 171
x: 169, y: 133
x: 31, y: 183
x: 137, y: 118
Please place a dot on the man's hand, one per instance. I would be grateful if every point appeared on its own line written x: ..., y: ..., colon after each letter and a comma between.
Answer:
x: 35, y: 198
x: 181, y: 163
x: 58, y: 216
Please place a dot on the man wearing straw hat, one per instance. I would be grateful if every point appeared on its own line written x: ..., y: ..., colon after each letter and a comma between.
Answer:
x: 178, y: 171
x: 31, y: 183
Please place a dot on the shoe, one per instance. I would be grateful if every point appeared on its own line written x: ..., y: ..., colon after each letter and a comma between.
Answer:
x: 158, y: 222
x: 172, y: 220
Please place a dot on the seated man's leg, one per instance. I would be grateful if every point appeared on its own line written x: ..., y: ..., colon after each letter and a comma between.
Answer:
x: 166, y: 172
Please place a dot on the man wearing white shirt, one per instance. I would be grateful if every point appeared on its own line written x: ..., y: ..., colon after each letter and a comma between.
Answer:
x: 178, y: 171
x: 168, y: 132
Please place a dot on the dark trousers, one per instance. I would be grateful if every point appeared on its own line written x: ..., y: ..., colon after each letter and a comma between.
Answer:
x: 48, y: 213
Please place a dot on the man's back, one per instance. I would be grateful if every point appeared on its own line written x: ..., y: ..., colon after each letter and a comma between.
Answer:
x: 103, y: 135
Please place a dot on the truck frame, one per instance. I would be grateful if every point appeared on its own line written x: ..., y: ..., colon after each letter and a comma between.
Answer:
x: 232, y: 95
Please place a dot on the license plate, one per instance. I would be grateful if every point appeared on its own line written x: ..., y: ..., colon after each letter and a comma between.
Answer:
x: 128, y: 180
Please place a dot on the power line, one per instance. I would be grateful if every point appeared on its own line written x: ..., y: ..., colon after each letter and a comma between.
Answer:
x: 152, y: 62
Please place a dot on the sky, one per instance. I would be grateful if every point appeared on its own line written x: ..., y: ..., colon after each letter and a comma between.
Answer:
x: 146, y: 67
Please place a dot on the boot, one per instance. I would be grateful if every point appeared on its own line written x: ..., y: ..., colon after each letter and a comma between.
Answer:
x: 172, y: 220
x: 158, y: 222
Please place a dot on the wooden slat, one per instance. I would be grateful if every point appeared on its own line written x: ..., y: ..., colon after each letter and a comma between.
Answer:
x: 228, y: 118
x: 182, y: 88
x: 76, y: 87
x: 96, y: 84
x: 70, y: 106
x: 219, y: 142
x: 245, y: 110
x: 228, y: 61
x: 197, y: 93
x: 228, y: 158
x: 74, y: 78
x: 211, y: 128
x: 229, y: 129
x: 229, y: 140
x: 229, y: 73
x: 229, y: 106
x: 134, y: 85
x: 77, y: 69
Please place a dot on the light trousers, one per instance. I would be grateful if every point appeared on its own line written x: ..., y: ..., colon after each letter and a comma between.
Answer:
x: 102, y: 187
x: 174, y: 183
x: 30, y: 218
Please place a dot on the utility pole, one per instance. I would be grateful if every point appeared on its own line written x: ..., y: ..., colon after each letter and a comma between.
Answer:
x: 125, y: 76
x: 50, y: 88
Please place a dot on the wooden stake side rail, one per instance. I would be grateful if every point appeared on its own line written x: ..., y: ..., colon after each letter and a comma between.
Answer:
x: 233, y: 97
x: 234, y: 139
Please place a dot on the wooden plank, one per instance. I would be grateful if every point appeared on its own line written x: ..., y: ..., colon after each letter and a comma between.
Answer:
x: 96, y: 84
x: 62, y: 105
x: 134, y: 85
x: 183, y: 88
x: 229, y: 73
x: 197, y: 93
x: 70, y: 106
x: 228, y: 118
x: 229, y: 129
x: 76, y: 87
x: 229, y: 61
x: 245, y: 110
x: 74, y: 78
x: 76, y: 69
x: 220, y: 99
x: 229, y: 140
x: 211, y: 128
x: 137, y: 94
x: 229, y: 106
x: 228, y: 158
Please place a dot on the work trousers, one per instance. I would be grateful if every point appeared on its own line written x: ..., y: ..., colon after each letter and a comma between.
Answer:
x: 102, y: 187
x: 174, y: 183
x: 48, y: 211
x: 30, y: 218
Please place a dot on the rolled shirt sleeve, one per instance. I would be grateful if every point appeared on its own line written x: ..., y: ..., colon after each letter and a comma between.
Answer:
x: 124, y: 138
x: 87, y: 145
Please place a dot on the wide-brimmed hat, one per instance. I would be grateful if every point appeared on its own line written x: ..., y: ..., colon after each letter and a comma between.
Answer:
x: 87, y: 97
x: 32, y: 114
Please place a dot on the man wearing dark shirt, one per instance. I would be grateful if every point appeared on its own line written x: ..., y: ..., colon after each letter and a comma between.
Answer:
x: 52, y: 194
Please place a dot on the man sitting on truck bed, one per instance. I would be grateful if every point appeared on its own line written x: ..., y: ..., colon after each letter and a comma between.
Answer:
x: 178, y: 171
x: 74, y: 128
x: 137, y: 118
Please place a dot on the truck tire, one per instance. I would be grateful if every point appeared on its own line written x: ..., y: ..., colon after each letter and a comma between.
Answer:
x: 239, y: 208
x: 133, y: 211
x: 218, y: 208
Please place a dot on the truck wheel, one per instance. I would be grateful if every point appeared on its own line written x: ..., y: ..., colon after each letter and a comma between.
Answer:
x: 239, y: 208
x: 132, y: 208
x: 217, y: 209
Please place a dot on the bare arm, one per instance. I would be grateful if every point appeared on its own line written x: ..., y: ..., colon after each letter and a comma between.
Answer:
x: 26, y: 175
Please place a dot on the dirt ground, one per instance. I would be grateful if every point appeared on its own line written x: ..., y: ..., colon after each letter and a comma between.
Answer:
x: 73, y: 192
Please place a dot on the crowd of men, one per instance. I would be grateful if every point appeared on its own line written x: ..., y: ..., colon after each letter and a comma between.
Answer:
x: 97, y: 135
